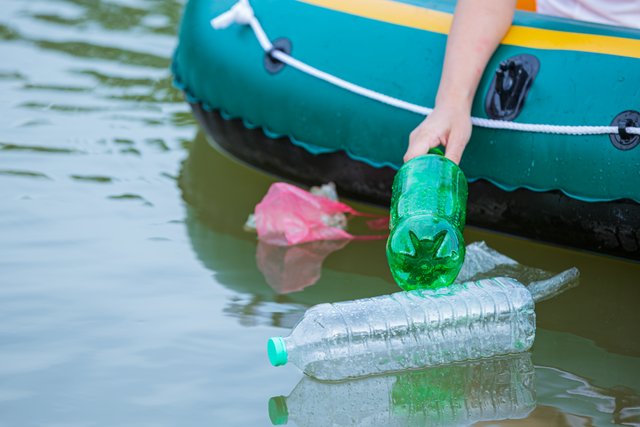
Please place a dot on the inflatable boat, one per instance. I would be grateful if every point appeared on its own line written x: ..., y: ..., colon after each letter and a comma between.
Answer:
x: 329, y: 90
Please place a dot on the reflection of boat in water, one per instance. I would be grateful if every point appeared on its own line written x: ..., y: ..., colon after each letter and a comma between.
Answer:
x: 575, y: 376
x: 461, y: 394
x: 217, y: 210
x: 584, y: 403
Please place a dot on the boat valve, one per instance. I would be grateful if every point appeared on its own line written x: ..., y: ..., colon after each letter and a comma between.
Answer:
x: 510, y: 85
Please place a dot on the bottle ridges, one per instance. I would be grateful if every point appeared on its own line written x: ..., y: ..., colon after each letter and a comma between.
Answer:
x: 409, y: 330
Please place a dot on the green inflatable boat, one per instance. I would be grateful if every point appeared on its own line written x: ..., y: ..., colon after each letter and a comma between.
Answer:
x: 329, y: 90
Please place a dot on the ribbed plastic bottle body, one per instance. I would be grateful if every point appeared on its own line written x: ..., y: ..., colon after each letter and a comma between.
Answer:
x: 460, y: 394
x: 427, y: 216
x: 409, y: 330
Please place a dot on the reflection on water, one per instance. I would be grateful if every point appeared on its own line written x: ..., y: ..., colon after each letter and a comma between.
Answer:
x: 83, y: 77
x: 576, y: 395
x: 122, y: 306
x: 461, y: 394
x: 266, y: 277
x: 290, y: 269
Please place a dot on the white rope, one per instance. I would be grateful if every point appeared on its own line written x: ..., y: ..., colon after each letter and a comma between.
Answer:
x: 242, y: 13
x: 351, y: 87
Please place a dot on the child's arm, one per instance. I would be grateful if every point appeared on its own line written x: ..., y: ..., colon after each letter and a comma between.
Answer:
x: 478, y: 26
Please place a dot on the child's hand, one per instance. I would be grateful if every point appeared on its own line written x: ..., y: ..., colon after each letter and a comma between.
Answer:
x: 446, y: 126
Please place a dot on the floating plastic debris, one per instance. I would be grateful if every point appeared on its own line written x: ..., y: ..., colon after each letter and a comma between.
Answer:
x: 415, y: 329
x: 288, y: 215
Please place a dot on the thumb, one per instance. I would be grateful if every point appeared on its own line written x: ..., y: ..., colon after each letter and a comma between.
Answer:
x: 421, y: 146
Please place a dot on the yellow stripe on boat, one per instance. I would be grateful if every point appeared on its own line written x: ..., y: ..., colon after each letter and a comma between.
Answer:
x: 439, y: 22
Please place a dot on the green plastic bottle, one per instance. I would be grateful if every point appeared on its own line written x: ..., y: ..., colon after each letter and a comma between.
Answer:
x: 425, y: 248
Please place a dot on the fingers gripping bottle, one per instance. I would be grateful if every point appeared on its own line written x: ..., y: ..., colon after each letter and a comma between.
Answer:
x: 425, y: 248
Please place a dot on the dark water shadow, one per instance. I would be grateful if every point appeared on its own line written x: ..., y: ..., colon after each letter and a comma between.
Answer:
x: 221, y: 193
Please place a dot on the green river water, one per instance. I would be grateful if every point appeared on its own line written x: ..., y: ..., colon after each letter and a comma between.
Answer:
x: 131, y: 296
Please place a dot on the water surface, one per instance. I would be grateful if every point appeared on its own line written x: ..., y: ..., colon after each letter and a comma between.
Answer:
x: 129, y: 293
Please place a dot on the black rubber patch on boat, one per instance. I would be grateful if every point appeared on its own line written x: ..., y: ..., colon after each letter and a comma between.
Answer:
x: 623, y: 140
x: 510, y: 86
x: 271, y: 64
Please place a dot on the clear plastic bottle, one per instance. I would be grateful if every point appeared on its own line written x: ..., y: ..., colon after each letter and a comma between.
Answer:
x: 460, y: 394
x: 409, y: 330
x: 426, y: 248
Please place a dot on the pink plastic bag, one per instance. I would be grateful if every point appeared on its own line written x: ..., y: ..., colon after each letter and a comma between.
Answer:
x: 288, y: 215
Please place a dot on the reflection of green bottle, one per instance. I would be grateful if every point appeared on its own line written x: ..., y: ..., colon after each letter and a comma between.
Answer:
x: 448, y: 395
x: 430, y: 391
x: 428, y: 209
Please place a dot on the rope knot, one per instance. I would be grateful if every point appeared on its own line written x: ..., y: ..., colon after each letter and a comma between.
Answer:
x: 241, y: 13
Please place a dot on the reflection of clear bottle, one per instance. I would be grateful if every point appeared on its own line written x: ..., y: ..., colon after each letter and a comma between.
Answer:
x: 428, y: 210
x: 483, y: 390
x: 409, y: 330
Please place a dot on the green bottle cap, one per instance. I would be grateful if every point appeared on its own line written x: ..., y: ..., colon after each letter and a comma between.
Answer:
x: 277, y: 351
x: 278, y: 412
